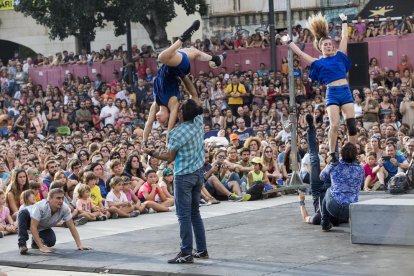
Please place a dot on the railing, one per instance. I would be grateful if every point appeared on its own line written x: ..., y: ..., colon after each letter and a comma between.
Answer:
x: 387, y: 50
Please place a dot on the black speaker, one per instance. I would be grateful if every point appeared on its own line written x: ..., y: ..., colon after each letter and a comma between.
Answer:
x: 359, y: 72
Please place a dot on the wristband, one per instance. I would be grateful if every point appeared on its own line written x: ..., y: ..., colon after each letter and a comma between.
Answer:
x: 146, y: 144
x: 289, y: 41
x: 302, y: 203
x: 344, y: 21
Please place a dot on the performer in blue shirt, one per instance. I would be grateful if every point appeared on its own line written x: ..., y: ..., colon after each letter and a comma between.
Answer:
x: 331, y: 70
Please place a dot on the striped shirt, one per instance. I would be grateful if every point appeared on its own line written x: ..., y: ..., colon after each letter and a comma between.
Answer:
x: 187, y: 140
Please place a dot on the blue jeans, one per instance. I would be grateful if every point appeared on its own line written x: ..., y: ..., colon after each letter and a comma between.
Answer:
x: 187, y: 191
x: 318, y: 187
x: 233, y: 177
x: 23, y: 219
x: 332, y: 210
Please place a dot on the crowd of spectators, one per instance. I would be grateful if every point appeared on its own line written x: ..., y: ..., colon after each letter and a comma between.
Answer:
x: 86, y: 136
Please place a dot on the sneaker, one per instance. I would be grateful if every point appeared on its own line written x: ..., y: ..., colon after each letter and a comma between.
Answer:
x: 204, y: 203
x: 1, y: 234
x: 114, y: 216
x: 327, y: 228
x: 190, y: 31
x: 80, y: 221
x: 133, y: 214
x: 212, y: 200
x: 182, y: 258
x: 151, y: 211
x: 201, y: 254
x: 234, y: 197
x: 382, y: 187
x: 23, y: 249
x: 172, y: 208
x: 101, y: 218
x: 309, y: 120
x: 245, y: 197
x: 218, y: 59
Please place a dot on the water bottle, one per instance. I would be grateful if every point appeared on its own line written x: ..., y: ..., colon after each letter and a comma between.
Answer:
x: 243, y: 187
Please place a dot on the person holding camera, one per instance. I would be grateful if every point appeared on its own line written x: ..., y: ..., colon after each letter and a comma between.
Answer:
x: 390, y: 164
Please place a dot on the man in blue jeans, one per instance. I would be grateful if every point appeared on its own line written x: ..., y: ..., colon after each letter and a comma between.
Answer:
x: 318, y: 186
x: 346, y: 177
x: 40, y: 218
x: 185, y: 146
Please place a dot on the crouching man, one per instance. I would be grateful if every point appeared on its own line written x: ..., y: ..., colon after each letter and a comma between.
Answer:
x: 40, y: 218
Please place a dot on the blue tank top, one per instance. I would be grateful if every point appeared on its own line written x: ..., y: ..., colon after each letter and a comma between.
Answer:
x: 329, y: 69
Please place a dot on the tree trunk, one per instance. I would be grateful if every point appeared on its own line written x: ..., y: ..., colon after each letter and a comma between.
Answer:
x: 155, y: 27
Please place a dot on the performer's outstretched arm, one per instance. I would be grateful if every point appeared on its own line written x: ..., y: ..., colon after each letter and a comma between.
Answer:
x: 307, y: 58
x: 344, y: 39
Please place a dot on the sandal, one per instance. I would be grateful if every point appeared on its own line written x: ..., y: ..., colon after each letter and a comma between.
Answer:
x: 212, y: 200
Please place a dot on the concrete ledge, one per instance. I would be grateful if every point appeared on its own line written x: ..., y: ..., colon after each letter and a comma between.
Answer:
x: 383, y: 221
x: 101, y: 270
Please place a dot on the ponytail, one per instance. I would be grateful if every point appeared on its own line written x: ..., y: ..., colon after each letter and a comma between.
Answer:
x: 319, y: 28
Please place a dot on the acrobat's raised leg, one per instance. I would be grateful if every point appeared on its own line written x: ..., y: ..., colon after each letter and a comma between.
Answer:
x: 172, y: 57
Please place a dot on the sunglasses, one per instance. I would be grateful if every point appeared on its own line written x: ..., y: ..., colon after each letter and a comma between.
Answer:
x: 221, y: 156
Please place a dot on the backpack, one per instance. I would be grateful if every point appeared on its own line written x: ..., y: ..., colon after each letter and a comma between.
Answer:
x: 398, y: 184
x: 256, y: 190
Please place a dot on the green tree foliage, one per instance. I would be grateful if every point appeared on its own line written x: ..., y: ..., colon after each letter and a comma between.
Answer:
x: 80, y: 18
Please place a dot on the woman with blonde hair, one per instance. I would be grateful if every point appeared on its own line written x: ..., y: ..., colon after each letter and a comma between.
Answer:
x: 331, y: 70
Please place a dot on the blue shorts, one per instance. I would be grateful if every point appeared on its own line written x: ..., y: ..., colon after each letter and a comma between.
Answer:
x: 166, y: 84
x: 338, y: 95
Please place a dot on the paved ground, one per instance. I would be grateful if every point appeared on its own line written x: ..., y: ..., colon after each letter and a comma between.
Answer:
x: 252, y: 238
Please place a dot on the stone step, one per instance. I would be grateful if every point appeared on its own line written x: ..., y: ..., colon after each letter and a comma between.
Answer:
x: 383, y: 221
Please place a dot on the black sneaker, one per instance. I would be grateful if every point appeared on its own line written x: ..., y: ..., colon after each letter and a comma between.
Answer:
x: 309, y: 120
x: 1, y: 234
x: 23, y: 249
x: 134, y: 214
x: 101, y: 218
x: 327, y: 227
x: 201, y: 254
x: 182, y: 258
x: 218, y: 59
x: 190, y: 31
x: 80, y: 221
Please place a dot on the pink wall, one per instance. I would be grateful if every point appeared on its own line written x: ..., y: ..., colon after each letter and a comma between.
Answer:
x: 248, y: 59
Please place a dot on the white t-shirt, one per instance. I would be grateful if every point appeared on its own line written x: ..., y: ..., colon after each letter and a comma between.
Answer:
x: 111, y: 197
x: 306, y: 161
x: 113, y: 110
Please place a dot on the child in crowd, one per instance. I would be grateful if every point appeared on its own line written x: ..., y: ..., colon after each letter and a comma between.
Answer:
x: 90, y: 179
x: 27, y: 198
x: 35, y: 187
x: 371, y: 182
x: 166, y: 182
x: 85, y: 207
x: 257, y: 174
x: 117, y: 199
x: 33, y: 175
x: 150, y: 189
x: 7, y: 225
x: 126, y: 188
